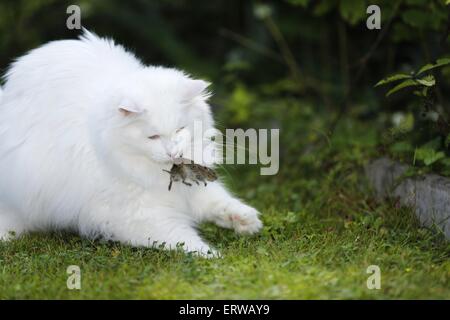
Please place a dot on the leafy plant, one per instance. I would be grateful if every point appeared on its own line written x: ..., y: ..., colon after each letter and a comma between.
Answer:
x: 435, y: 151
x: 422, y: 78
x: 429, y: 153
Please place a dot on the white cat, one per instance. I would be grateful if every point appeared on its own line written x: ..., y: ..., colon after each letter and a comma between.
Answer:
x: 85, y: 131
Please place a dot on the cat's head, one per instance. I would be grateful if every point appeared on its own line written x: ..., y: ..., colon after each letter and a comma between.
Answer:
x: 151, y: 115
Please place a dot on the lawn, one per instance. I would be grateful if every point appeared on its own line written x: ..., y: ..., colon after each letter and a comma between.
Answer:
x: 322, y: 230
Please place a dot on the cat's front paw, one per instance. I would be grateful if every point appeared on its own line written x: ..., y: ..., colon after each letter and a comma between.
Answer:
x: 241, y: 217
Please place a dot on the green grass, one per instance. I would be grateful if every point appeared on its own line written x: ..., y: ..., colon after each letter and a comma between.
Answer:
x: 322, y: 230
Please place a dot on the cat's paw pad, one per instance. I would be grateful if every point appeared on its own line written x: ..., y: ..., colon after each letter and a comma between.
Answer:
x: 244, y: 219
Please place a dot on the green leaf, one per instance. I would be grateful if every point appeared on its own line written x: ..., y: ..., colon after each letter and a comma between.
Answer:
x: 427, y: 81
x: 429, y: 66
x: 435, y: 156
x: 420, y: 93
x: 429, y: 152
x: 425, y: 91
x: 402, y: 85
x: 429, y: 156
x: 392, y: 78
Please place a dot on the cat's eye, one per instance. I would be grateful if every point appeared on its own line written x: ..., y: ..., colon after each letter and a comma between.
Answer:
x: 154, y: 137
x: 178, y: 130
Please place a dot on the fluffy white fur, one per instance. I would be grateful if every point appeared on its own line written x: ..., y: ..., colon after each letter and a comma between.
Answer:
x: 75, y: 152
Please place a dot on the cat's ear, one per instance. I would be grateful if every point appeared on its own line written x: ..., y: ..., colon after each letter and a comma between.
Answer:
x: 195, y: 88
x: 128, y: 108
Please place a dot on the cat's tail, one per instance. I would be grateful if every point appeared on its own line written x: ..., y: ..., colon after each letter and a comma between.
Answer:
x: 1, y: 92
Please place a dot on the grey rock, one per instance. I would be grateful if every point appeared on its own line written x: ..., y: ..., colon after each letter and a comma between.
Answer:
x: 428, y: 195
